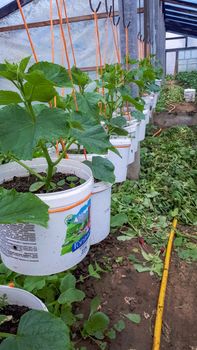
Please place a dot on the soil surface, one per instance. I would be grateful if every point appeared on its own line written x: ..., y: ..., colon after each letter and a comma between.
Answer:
x: 185, y: 107
x: 15, y: 312
x: 123, y: 290
x: 167, y: 120
x: 22, y: 184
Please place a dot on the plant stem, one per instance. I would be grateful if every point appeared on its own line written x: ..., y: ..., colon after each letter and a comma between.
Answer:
x: 6, y: 335
x: 30, y: 170
x: 67, y: 146
x: 27, y: 103
x: 51, y: 166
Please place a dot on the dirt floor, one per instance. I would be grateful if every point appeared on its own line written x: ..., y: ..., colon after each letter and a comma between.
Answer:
x: 123, y: 290
x: 178, y: 114
x: 185, y: 107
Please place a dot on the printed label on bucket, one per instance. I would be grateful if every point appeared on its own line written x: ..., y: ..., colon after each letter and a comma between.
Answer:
x: 18, y: 241
x: 78, y: 229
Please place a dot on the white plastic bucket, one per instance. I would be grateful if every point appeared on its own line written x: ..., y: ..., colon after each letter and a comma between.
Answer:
x: 131, y: 128
x: 20, y: 297
x: 155, y: 99
x: 81, y: 157
x: 100, y: 212
x: 142, y: 131
x: 149, y: 99
x: 190, y: 95
x: 100, y: 205
x: 147, y: 115
x: 33, y: 250
x: 158, y: 82
x: 122, y: 144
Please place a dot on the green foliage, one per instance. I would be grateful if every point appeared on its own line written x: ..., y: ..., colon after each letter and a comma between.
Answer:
x: 169, y: 95
x: 117, y: 88
x: 186, y: 249
x: 22, y: 208
x: 36, y: 125
x: 60, y: 294
x: 97, y: 325
x: 167, y: 188
x: 119, y: 220
x: 3, y: 301
x: 147, y: 71
x: 38, y: 330
x: 187, y: 79
x: 135, y: 318
x: 153, y: 263
x: 102, y: 169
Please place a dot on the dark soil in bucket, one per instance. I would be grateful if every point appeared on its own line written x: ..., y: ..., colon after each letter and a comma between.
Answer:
x: 22, y: 184
x: 15, y: 312
x: 123, y: 290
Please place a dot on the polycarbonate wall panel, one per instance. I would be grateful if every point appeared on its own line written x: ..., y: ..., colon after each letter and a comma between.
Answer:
x: 170, y: 62
x: 187, y: 60
x: 175, y: 44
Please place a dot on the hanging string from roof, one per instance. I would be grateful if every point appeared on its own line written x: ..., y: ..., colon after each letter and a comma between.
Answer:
x: 52, y: 33
x: 69, y: 33
x: 114, y: 26
x: 66, y: 50
x: 27, y: 30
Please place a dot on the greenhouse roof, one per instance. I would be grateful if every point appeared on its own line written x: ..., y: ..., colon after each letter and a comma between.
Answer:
x: 181, y: 16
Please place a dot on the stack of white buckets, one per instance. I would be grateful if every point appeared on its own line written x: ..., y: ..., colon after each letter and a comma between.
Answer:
x: 78, y: 217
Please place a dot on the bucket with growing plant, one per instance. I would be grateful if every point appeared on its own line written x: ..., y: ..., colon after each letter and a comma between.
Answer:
x: 45, y: 202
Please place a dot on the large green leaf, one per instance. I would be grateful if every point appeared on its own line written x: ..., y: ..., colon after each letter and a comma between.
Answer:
x: 119, y: 121
x: 39, y: 330
x: 41, y: 93
x: 79, y: 78
x: 6, y: 73
x: 19, y: 134
x: 119, y: 220
x: 37, y: 78
x: 69, y: 281
x: 70, y: 296
x: 102, y: 169
x: 22, y: 208
x: 88, y: 103
x: 139, y: 106
x: 135, y: 318
x: 98, y: 322
x: 94, y: 139
x: 52, y: 72
x: 33, y: 283
x: 7, y: 97
x: 24, y: 63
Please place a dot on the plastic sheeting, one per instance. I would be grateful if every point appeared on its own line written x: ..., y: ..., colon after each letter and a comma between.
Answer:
x: 14, y: 45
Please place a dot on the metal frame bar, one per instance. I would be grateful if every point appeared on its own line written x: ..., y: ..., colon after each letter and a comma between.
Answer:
x: 12, y: 7
x: 182, y: 49
x: 178, y: 9
x: 180, y: 3
x: 177, y: 37
x: 55, y: 22
x: 177, y: 20
x: 179, y: 15
x: 175, y: 30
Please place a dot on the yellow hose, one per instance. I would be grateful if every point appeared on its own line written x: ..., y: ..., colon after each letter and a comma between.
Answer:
x: 162, y: 293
